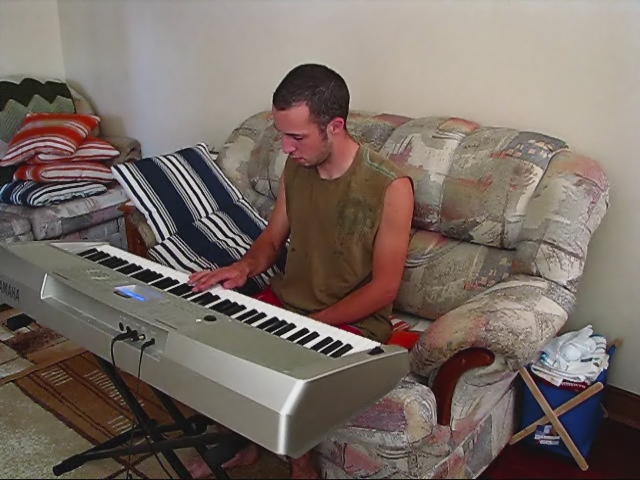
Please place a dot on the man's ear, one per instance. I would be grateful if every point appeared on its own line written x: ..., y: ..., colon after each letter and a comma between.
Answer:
x: 335, y: 126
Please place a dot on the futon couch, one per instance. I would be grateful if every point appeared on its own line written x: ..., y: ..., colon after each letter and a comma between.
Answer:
x: 502, y: 223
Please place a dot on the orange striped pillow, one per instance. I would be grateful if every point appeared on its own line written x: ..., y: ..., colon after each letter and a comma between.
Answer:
x: 65, y: 172
x: 91, y: 150
x: 52, y: 133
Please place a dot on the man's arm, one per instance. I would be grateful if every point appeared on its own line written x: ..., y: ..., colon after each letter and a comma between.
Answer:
x: 262, y: 254
x: 264, y: 251
x: 389, y: 256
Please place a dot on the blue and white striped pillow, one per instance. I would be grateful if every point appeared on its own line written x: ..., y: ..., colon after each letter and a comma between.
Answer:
x: 199, y: 218
x: 34, y: 194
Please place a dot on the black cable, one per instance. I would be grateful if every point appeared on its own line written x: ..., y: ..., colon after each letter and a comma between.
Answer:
x: 146, y: 436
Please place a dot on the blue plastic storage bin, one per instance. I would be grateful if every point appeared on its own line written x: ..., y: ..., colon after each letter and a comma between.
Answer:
x: 581, y: 422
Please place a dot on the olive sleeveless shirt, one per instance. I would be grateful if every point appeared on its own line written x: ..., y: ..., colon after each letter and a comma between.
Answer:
x: 333, y: 229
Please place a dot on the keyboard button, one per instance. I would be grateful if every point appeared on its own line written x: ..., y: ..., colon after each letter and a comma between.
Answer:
x: 86, y: 253
x: 299, y: 334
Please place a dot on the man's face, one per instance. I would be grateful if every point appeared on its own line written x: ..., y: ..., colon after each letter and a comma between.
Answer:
x: 302, y: 139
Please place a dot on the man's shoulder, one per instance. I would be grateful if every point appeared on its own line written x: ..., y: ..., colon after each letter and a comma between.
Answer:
x: 376, y: 162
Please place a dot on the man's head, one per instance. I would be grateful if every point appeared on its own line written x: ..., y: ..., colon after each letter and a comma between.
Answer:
x: 310, y: 108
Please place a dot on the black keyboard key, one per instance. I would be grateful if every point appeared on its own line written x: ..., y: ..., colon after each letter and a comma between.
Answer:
x: 255, y: 318
x: 341, y: 351
x: 165, y: 283
x: 181, y: 289
x: 322, y: 343
x: 334, y: 346
x: 276, y: 326
x: 205, y: 299
x: 299, y: 334
x: 287, y: 328
x: 308, y: 338
x: 237, y: 308
x: 220, y: 305
x: 246, y: 315
x: 201, y: 299
x: 152, y: 277
x: 113, y: 263
x: 86, y: 253
x: 94, y: 257
x: 141, y: 274
x: 266, y: 323
x: 129, y: 269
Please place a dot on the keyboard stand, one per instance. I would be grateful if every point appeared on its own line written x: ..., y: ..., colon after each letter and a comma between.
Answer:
x: 215, y: 448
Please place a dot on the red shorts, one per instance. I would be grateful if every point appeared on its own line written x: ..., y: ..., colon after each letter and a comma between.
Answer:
x: 267, y: 296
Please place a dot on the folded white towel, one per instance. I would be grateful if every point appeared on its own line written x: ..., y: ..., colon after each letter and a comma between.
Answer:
x: 575, y: 356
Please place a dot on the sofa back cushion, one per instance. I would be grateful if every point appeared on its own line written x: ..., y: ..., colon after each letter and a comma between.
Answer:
x: 494, y: 200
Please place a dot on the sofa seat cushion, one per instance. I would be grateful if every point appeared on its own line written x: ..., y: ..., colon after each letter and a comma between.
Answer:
x: 57, y: 220
x: 12, y: 225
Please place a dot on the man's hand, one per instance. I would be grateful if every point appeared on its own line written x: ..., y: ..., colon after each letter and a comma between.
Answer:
x: 233, y: 276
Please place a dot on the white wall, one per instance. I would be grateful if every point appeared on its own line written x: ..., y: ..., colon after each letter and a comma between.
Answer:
x: 175, y: 73
x: 30, y: 42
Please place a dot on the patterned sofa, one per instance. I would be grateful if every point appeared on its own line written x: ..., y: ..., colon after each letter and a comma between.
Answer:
x: 96, y: 217
x: 502, y: 223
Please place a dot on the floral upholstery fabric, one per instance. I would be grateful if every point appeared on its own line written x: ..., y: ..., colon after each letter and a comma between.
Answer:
x: 398, y: 437
x: 72, y: 216
x: 14, y: 227
x: 502, y: 222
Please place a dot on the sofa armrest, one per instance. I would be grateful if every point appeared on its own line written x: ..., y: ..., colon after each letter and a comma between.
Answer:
x: 513, y: 319
x: 140, y: 237
x: 129, y: 148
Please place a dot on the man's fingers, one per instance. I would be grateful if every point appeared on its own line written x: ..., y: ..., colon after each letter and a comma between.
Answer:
x: 206, y: 281
x: 234, y: 282
x: 196, y: 276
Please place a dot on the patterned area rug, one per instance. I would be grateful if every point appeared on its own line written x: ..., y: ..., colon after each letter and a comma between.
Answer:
x: 77, y: 406
x: 26, y: 346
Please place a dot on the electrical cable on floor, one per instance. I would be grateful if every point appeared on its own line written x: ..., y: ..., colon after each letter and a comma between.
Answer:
x: 134, y: 335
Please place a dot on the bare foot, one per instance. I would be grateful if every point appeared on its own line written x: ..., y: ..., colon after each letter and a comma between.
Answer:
x: 199, y: 468
x: 304, y: 468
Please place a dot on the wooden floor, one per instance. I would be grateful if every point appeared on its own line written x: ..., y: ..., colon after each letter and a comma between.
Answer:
x: 615, y: 454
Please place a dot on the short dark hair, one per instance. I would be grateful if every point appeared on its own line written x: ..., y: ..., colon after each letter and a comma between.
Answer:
x: 323, y: 90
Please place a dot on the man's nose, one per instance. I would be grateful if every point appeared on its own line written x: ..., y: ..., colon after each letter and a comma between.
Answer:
x: 288, y: 145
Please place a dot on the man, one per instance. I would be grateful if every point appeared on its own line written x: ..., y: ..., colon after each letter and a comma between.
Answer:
x: 347, y: 211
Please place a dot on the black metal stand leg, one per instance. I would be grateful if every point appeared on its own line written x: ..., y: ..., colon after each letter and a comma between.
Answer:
x: 225, y: 445
x: 145, y: 421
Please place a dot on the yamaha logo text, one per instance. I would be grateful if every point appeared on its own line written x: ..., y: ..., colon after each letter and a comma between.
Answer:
x: 10, y: 291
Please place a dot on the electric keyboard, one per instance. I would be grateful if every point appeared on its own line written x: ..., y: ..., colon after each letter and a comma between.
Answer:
x: 280, y: 379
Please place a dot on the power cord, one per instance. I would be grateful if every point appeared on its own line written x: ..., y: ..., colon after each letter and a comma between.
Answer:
x: 145, y: 345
